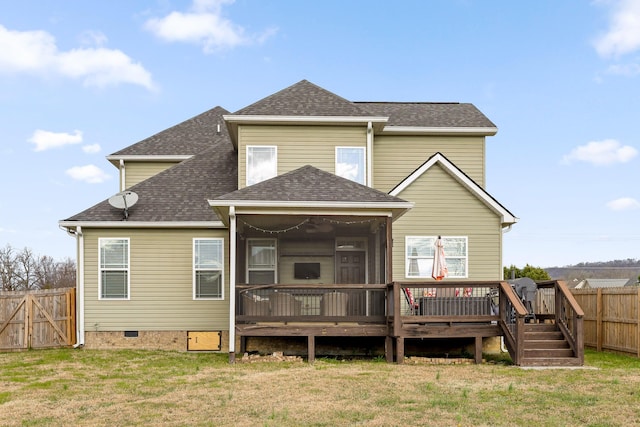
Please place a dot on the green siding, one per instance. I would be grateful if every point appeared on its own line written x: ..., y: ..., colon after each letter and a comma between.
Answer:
x: 445, y: 207
x: 396, y: 157
x: 161, y: 293
x: 136, y: 172
x: 299, y: 145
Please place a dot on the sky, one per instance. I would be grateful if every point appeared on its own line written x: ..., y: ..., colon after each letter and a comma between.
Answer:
x: 560, y: 79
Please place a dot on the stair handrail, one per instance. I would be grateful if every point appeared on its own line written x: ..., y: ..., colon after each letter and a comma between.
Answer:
x: 569, y: 316
x: 512, y: 316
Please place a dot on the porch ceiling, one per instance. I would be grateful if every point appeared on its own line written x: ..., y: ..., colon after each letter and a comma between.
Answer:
x: 308, y: 226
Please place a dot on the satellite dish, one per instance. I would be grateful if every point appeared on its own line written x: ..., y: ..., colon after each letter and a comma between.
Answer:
x: 124, y: 200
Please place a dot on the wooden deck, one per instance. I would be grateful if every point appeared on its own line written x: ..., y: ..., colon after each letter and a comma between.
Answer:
x: 409, y: 310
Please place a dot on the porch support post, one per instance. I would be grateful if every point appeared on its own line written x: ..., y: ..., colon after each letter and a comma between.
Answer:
x: 478, y: 350
x: 232, y: 284
x: 389, y: 263
x: 400, y: 350
x: 311, y: 348
x: 388, y: 349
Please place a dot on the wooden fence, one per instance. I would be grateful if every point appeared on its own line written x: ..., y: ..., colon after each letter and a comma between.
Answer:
x: 611, y: 318
x: 37, y: 319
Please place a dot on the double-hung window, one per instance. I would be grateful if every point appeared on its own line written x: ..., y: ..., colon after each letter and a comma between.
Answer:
x: 262, y: 163
x: 351, y: 163
x: 114, y: 268
x: 208, y: 268
x: 420, y: 250
x: 261, y: 261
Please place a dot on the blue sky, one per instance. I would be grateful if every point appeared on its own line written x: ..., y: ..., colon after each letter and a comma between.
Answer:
x: 561, y: 80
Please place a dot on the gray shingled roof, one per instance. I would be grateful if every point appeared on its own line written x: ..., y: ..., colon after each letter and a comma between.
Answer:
x: 179, y: 193
x: 310, y: 184
x: 187, y: 138
x: 304, y: 99
x: 428, y: 114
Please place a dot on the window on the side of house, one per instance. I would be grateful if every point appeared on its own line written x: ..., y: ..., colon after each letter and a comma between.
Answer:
x: 420, y: 250
x: 262, y: 163
x: 208, y: 268
x: 261, y: 261
x: 114, y: 267
x: 351, y: 163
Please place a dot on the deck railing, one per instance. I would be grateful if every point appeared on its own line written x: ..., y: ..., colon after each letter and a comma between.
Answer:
x: 512, y: 320
x: 310, y: 303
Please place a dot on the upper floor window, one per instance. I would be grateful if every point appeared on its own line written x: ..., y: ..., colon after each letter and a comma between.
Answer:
x: 114, y: 268
x: 350, y: 163
x: 208, y: 262
x: 262, y: 163
x: 420, y: 250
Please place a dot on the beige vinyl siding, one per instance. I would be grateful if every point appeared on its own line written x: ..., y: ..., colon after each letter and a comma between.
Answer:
x: 293, y: 251
x: 161, y: 296
x: 299, y: 145
x: 395, y: 157
x: 444, y: 207
x: 136, y: 172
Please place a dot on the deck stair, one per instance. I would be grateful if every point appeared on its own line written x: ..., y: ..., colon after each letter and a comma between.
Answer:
x: 545, y: 345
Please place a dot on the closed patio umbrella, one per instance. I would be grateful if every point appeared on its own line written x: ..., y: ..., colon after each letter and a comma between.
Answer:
x: 439, y: 270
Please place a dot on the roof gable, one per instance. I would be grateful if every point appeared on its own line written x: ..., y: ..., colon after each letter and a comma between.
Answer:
x: 438, y: 158
x: 303, y: 99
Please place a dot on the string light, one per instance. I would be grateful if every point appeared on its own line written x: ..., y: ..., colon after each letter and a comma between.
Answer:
x: 284, y: 230
x: 305, y: 221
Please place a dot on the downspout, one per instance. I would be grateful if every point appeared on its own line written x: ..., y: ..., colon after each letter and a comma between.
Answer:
x: 370, y: 154
x: 503, y: 347
x: 232, y: 284
x: 123, y: 175
x: 79, y: 286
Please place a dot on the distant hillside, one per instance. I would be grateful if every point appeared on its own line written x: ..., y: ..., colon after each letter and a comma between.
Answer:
x: 617, y: 269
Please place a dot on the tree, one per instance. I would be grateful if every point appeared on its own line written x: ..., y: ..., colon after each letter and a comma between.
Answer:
x: 24, y: 271
x: 536, y: 273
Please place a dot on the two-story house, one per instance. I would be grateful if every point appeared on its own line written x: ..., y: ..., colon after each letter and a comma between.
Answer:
x: 302, y: 206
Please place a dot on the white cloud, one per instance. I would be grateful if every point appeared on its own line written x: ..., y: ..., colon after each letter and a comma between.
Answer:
x: 45, y: 140
x: 601, y: 153
x: 623, y: 34
x: 36, y: 52
x: 627, y: 70
x: 89, y: 173
x: 623, y: 204
x: 91, y: 149
x: 204, y: 24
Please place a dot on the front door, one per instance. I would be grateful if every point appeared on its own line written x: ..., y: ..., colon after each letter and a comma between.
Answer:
x: 350, y: 267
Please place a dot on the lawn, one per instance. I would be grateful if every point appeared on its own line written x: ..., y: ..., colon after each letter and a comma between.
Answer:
x: 120, y: 388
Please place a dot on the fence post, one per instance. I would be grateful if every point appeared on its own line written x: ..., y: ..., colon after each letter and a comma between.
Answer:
x: 638, y: 325
x: 27, y: 320
x: 599, y: 320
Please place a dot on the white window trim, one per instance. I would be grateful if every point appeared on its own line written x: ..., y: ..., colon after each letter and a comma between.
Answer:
x: 407, y: 257
x: 246, y: 169
x: 275, y: 266
x: 100, y: 269
x: 364, y: 161
x: 221, y: 269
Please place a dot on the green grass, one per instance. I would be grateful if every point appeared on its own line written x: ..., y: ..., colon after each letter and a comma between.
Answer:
x: 120, y: 387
